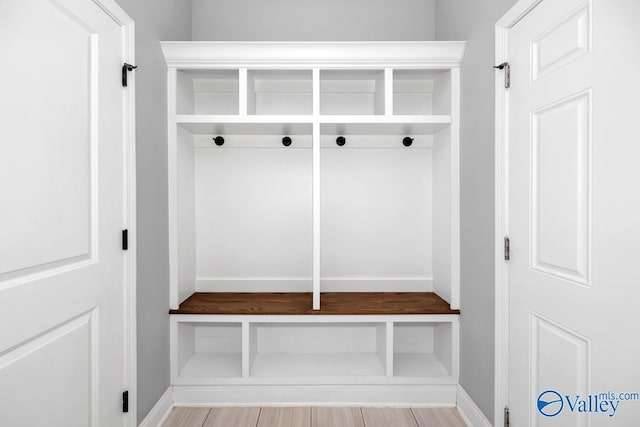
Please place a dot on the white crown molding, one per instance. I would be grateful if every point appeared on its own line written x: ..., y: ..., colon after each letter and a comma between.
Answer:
x: 424, y: 54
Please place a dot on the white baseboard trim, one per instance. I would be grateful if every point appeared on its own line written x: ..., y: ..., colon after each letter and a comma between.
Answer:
x: 316, y: 395
x: 471, y: 414
x: 387, y: 396
x: 160, y: 410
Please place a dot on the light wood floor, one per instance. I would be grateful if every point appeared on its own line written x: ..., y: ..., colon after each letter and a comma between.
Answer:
x: 314, y: 417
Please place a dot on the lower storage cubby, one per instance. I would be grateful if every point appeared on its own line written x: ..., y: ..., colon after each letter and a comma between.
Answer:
x: 311, y: 349
x: 208, y: 350
x: 423, y: 349
x: 317, y: 350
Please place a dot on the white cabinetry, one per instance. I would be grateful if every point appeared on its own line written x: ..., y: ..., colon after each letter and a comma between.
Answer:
x: 314, y: 221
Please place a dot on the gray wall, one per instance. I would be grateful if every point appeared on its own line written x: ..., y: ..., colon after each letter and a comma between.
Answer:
x: 155, y: 20
x: 474, y: 21
x: 313, y: 20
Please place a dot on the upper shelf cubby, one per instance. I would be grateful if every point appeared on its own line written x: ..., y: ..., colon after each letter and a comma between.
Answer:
x: 207, y: 92
x: 352, y: 92
x: 421, y: 92
x: 276, y: 92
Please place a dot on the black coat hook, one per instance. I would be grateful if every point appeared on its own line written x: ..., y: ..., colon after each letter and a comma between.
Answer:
x: 341, y: 140
x: 407, y: 141
x: 219, y: 140
x: 286, y: 141
x: 126, y: 67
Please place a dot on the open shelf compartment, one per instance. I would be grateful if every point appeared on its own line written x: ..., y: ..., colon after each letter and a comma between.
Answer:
x: 208, y: 350
x: 424, y: 349
x: 207, y: 92
x: 352, y: 92
x: 232, y: 232
x: 421, y: 92
x: 281, y: 350
x: 275, y: 92
x: 384, y: 215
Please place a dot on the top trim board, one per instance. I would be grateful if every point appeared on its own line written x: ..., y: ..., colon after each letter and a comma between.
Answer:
x: 415, y: 54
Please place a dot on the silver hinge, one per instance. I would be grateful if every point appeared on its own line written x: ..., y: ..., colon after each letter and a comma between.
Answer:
x: 506, y: 417
x: 507, y: 73
x: 507, y: 248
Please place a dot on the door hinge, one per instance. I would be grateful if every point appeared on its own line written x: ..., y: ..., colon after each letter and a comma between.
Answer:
x: 507, y: 73
x: 506, y: 417
x: 125, y: 401
x: 125, y: 239
x: 125, y: 68
x: 507, y: 248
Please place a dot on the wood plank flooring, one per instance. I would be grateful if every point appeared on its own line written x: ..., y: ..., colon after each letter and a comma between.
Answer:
x: 285, y: 417
x: 225, y: 417
x: 186, y: 417
x: 331, y: 417
x: 297, y: 303
x: 314, y: 417
x: 386, y: 417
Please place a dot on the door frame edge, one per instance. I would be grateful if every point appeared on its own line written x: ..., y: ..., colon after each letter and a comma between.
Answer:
x: 501, y: 178
x: 129, y: 257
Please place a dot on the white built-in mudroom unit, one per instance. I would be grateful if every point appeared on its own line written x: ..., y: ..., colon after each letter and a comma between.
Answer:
x: 314, y: 222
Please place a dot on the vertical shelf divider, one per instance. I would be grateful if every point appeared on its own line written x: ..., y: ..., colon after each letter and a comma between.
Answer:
x: 455, y: 187
x: 316, y: 215
x: 315, y: 95
x: 242, y: 91
x: 172, y: 171
x: 245, y: 349
x: 388, y: 91
x: 455, y: 348
x: 316, y: 187
x: 389, y: 358
x: 173, y: 348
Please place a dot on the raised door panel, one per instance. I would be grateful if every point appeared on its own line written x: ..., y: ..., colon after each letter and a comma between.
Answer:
x: 560, y: 370
x: 59, y: 368
x: 46, y: 167
x: 560, y: 188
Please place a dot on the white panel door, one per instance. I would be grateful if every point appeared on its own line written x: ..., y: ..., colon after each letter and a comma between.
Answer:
x: 574, y: 214
x: 61, y: 197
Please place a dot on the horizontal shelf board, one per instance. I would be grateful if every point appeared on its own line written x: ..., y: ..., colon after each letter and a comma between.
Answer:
x: 300, y: 319
x: 379, y: 119
x: 381, y: 129
x: 217, y: 365
x: 234, y: 128
x: 290, y: 118
x: 184, y: 119
x: 300, y: 303
x: 317, y: 365
x: 418, y: 365
x: 344, y: 381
